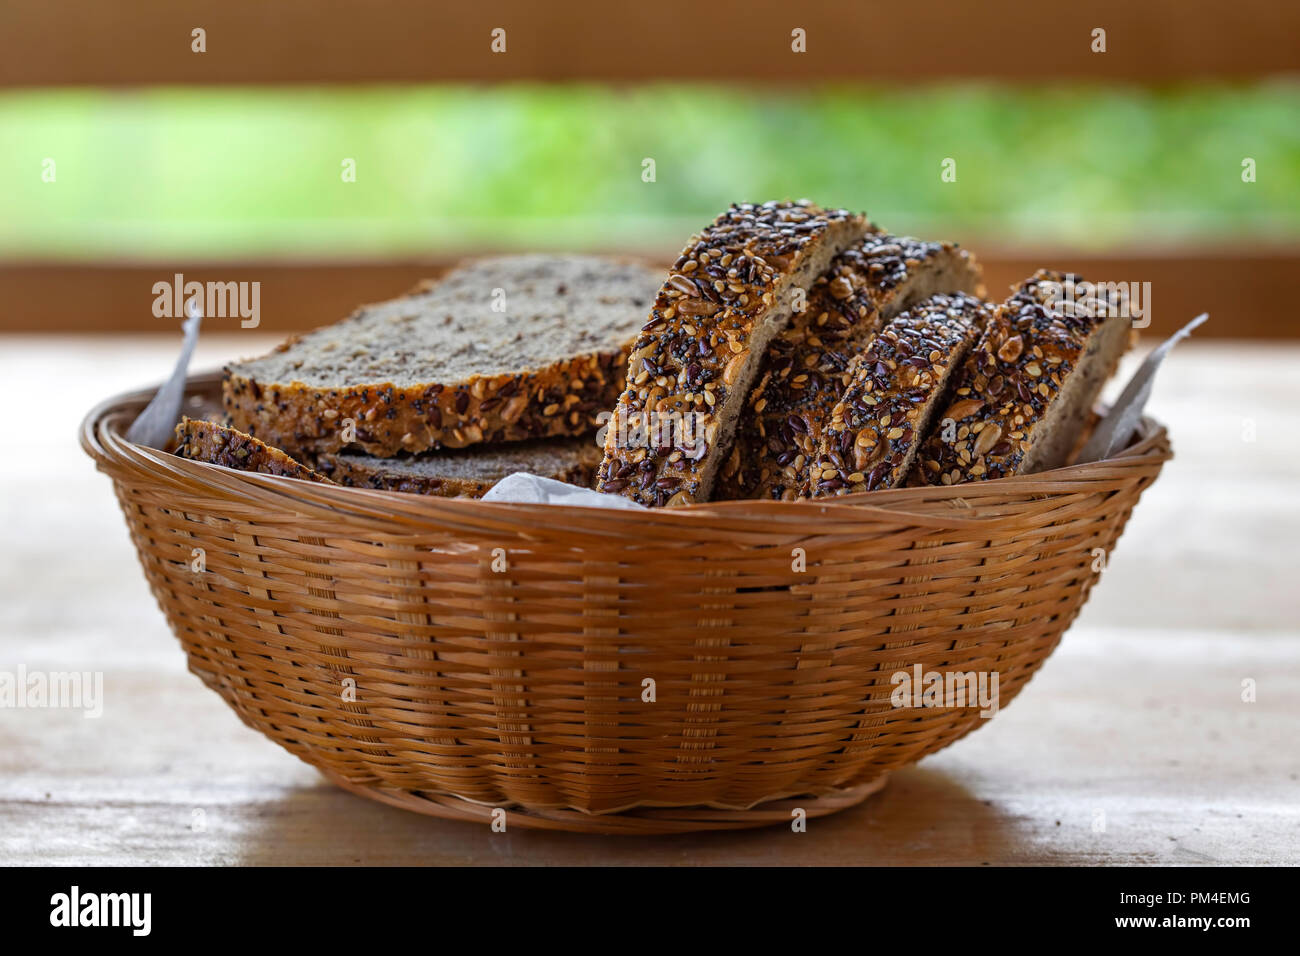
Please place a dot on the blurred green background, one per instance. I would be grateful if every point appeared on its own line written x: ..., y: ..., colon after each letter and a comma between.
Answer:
x: 240, y: 171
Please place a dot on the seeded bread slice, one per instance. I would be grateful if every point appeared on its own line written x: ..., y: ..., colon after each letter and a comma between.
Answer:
x: 730, y: 292
x: 806, y: 367
x: 1027, y: 387
x: 875, y: 429
x: 467, y: 473
x: 220, y: 444
x: 500, y: 349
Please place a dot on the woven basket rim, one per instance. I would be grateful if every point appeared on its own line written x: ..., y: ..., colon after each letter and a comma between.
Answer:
x: 103, y: 438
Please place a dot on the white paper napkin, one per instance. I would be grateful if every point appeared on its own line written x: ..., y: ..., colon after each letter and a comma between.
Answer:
x: 154, y: 426
x: 523, y: 488
x: 1114, y: 432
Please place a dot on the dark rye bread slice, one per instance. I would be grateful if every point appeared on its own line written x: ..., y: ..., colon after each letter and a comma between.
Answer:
x: 876, y: 427
x: 441, y: 367
x: 806, y: 367
x: 1026, y: 389
x: 467, y: 473
x: 220, y: 444
x: 730, y: 292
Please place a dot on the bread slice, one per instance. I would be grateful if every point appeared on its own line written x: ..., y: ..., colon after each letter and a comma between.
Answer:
x: 1027, y: 387
x: 442, y: 367
x: 449, y: 474
x: 220, y: 444
x: 467, y: 473
x: 875, y: 429
x: 806, y: 367
x: 733, y: 288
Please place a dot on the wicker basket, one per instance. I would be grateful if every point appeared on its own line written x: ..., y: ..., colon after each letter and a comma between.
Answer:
x: 377, y: 636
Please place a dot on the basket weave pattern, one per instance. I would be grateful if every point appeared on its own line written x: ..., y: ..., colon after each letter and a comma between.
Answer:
x: 376, y: 635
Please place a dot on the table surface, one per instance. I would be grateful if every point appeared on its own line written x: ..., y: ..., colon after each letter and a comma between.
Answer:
x: 1132, y: 746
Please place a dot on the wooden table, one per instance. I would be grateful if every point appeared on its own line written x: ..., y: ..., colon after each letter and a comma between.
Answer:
x: 1133, y: 745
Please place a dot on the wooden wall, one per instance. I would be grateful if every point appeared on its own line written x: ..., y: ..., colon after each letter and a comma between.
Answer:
x: 1247, y: 294
x: 58, y: 42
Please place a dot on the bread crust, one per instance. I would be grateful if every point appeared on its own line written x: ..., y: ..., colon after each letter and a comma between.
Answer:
x: 875, y: 429
x: 219, y: 444
x: 806, y: 368
x: 695, y: 359
x: 1013, y: 379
